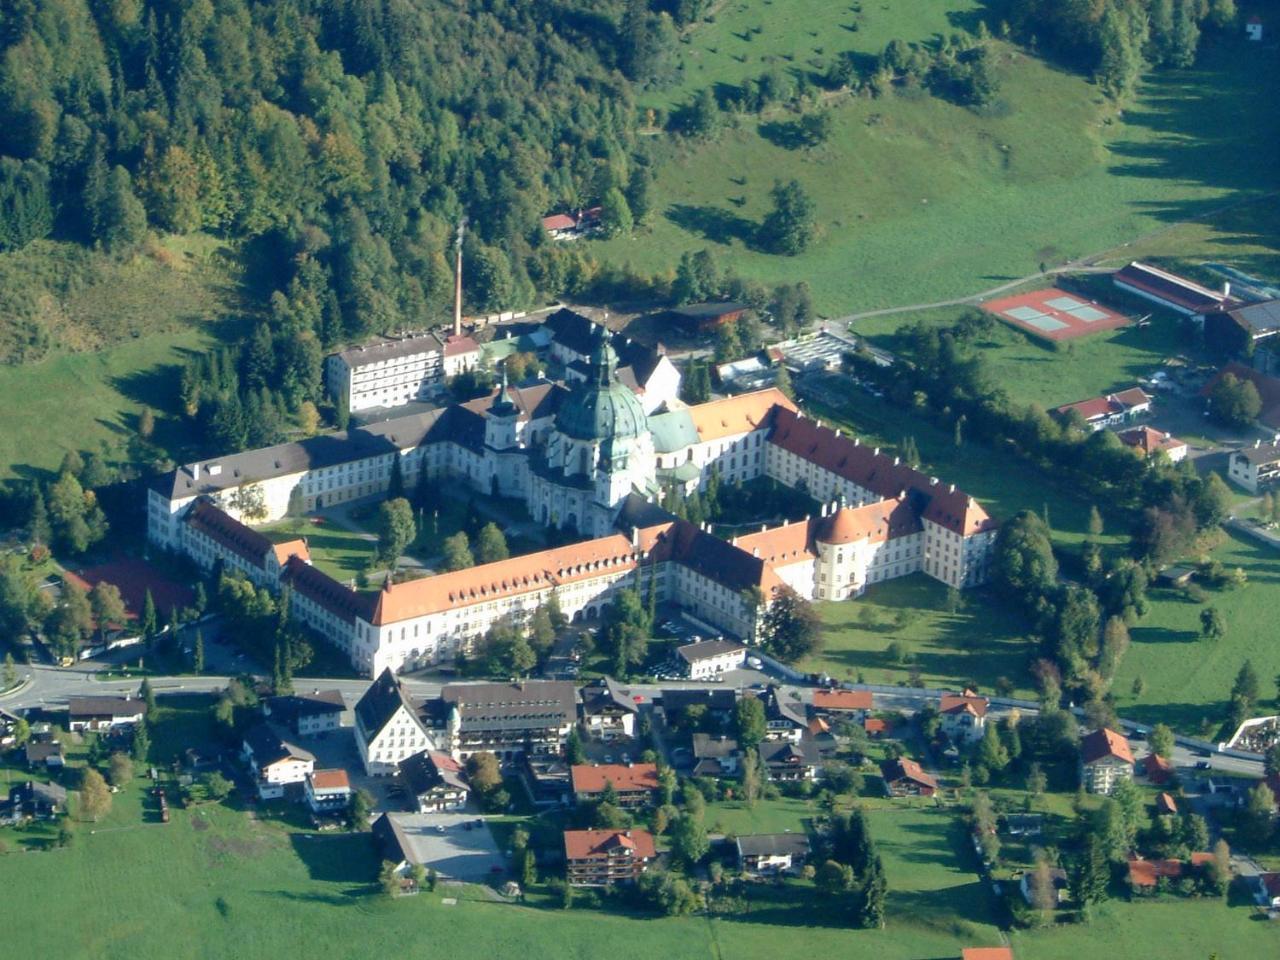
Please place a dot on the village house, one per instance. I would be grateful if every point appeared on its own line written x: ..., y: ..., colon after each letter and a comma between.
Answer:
x: 606, y: 712
x: 1256, y: 468
x: 1105, y: 760
x: 708, y: 659
x: 328, y: 792
x: 1145, y: 875
x: 509, y: 720
x: 964, y: 716
x: 435, y: 781
x: 277, y: 764
x: 1238, y: 328
x: 696, y: 319
x: 634, y: 784
x: 716, y: 756
x: 1057, y: 883
x: 1098, y: 413
x: 1266, y: 890
x: 785, y: 716
x: 1149, y: 441
x: 44, y: 753
x: 769, y: 854
x: 388, y: 728
x: 306, y: 714
x: 1268, y: 388
x: 906, y: 778
x: 853, y: 705
x: 791, y: 761
x: 33, y: 800
x: 570, y: 226
x: 601, y: 858
x: 1157, y: 769
x: 96, y: 714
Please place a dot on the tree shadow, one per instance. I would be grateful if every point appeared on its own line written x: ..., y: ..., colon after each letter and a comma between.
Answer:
x: 337, y: 858
x: 712, y: 223
x: 787, y: 134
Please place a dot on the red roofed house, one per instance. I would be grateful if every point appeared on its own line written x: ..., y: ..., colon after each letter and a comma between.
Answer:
x: 1166, y: 805
x: 1147, y: 440
x: 1114, y: 408
x: 1169, y: 290
x: 1145, y: 874
x: 600, y: 858
x: 567, y: 226
x: 328, y: 791
x: 1253, y: 28
x: 906, y: 778
x: 964, y: 716
x: 854, y: 704
x: 635, y: 784
x: 1105, y: 760
x: 1156, y: 768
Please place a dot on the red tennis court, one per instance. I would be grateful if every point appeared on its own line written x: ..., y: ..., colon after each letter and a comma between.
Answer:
x: 134, y: 576
x: 1054, y: 314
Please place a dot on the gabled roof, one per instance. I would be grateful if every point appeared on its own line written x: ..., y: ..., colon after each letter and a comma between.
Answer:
x: 1157, y: 768
x: 289, y: 707
x: 88, y: 707
x: 842, y: 699
x: 383, y: 350
x: 906, y: 769
x: 507, y: 706
x: 773, y: 845
x: 1146, y: 873
x: 269, y: 745
x: 707, y: 650
x: 1103, y: 744
x: 291, y: 548
x: 330, y: 780
x: 959, y: 703
x: 1096, y: 408
x: 780, y: 546
x: 874, y: 522
x: 781, y: 705
x: 604, y: 696
x: 490, y: 581
x: 625, y: 777
x: 1259, y: 319
x: 737, y: 415
x: 380, y: 702
x: 327, y: 593
x: 706, y: 746
x: 846, y: 457
x: 1166, y: 804
x: 585, y: 844
x: 223, y: 529
x: 392, y: 840
x: 429, y: 769
x: 1149, y: 440
x: 1169, y: 287
x: 784, y: 752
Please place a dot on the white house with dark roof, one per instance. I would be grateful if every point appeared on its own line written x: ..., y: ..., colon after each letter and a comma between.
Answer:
x: 103, y: 713
x: 388, y: 729
x: 435, y: 781
x: 276, y: 762
x: 1256, y: 468
x: 710, y: 658
x: 307, y: 714
x: 769, y: 854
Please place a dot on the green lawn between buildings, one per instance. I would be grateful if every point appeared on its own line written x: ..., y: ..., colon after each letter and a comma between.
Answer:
x: 919, y: 200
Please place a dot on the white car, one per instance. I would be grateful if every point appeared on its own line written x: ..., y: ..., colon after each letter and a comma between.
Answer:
x: 754, y: 663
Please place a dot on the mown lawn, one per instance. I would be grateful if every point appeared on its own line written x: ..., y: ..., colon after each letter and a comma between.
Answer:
x: 1188, y: 679
x: 1032, y: 372
x: 920, y: 200
x: 339, y: 552
x: 979, y: 643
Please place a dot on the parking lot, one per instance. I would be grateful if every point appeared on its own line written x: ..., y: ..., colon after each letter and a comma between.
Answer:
x: 457, y: 846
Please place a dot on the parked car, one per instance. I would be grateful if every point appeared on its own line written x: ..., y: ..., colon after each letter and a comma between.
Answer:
x: 754, y: 663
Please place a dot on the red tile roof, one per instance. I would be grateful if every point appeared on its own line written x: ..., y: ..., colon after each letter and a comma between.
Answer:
x: 1105, y: 743
x: 1166, y: 804
x: 1145, y: 873
x: 1149, y: 439
x: 1157, y: 768
x: 846, y: 457
x: 875, y: 522
x: 1096, y: 408
x: 905, y: 769
x: 292, y: 548
x: 586, y: 844
x: 330, y: 780
x: 960, y: 703
x: 986, y: 953
x: 736, y: 415
x: 1168, y: 287
x: 842, y: 699
x: 591, y: 778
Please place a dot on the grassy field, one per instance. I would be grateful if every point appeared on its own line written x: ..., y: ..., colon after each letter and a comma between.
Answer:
x: 1188, y: 680
x: 745, y: 39
x: 920, y: 200
x: 1034, y: 373
x: 119, y: 330
x: 339, y: 552
x: 979, y: 643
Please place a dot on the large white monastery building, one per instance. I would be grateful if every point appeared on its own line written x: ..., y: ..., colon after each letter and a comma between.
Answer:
x: 586, y: 457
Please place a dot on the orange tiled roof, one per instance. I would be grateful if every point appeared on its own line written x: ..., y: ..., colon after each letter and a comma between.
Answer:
x: 986, y: 953
x: 959, y: 703
x: 842, y: 699
x: 876, y: 522
x: 1105, y: 743
x: 330, y: 779
x: 591, y: 778
x: 446, y: 591
x: 735, y: 415
x: 1146, y: 873
x: 292, y: 548
x: 1149, y: 439
x: 584, y: 844
x: 779, y: 546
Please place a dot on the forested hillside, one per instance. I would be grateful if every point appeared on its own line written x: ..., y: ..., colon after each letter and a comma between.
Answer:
x: 345, y: 136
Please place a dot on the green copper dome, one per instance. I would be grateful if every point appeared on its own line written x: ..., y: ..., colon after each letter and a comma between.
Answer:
x: 602, y: 408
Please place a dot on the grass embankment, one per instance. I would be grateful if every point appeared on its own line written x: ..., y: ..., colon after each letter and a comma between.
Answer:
x: 920, y: 200
x: 119, y: 332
